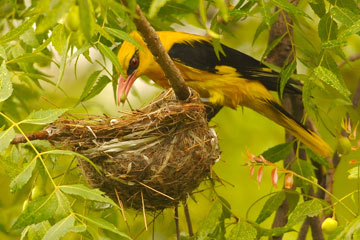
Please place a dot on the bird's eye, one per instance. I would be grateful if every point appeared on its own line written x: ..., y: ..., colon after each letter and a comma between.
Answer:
x: 134, y: 62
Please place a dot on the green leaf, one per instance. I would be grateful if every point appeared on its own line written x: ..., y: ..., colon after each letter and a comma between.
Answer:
x: 285, y: 75
x: 64, y: 207
x: 89, y: 84
x: 213, y: 224
x: 309, y: 208
x: 6, y: 88
x: 87, y: 18
x: 63, y: 61
x: 332, y: 80
x: 102, y: 223
x: 71, y: 153
x: 355, y: 28
x: 242, y: 231
x: 221, y: 5
x: 327, y: 28
x: 106, y: 51
x: 20, y: 180
x: 37, y: 231
x: 155, y: 7
x: 41, y: 117
x: 97, y: 88
x: 305, y: 169
x: 272, y: 45
x: 15, y: 33
x: 290, y: 8
x: 52, y: 15
x: 270, y: 206
x: 60, y: 228
x: 349, y: 230
x: 263, y: 26
x: 59, y: 38
x: 78, y: 228
x: 123, y: 36
x: 86, y: 193
x: 3, y: 53
x: 103, y: 33
x: 6, y: 137
x: 318, y: 7
x: 316, y: 158
x: 353, y: 173
x: 29, y: 38
x: 278, y: 152
x: 37, y: 211
x: 343, y: 15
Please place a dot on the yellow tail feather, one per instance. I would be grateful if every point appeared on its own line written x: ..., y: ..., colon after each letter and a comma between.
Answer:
x: 275, y: 112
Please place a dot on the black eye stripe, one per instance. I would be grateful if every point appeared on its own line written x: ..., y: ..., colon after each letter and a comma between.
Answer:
x: 133, y: 64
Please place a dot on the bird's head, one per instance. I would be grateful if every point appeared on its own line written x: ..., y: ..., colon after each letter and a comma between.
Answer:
x: 134, y: 63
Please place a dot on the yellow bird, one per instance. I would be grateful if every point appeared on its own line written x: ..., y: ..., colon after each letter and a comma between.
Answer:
x: 231, y: 79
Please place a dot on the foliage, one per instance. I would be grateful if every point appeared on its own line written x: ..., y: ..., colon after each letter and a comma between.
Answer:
x: 40, y: 34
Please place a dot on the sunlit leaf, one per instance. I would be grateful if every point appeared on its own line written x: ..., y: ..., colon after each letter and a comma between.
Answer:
x: 86, y: 193
x: 331, y: 79
x: 29, y: 38
x: 41, y: 117
x: 354, y: 28
x: 59, y: 38
x: 103, y: 33
x: 348, y: 232
x: 106, y: 51
x: 64, y: 206
x: 242, y: 231
x: 89, y: 84
x: 6, y: 137
x: 63, y: 61
x: 37, y: 231
x: 221, y: 5
x: 20, y: 180
x: 123, y: 36
x: 309, y: 208
x: 87, y: 18
x: 6, y: 88
x: 97, y: 87
x: 343, y: 15
x: 353, y: 173
x: 285, y: 75
x: 270, y: 206
x: 15, y: 33
x: 102, y: 223
x: 290, y: 8
x: 52, y: 15
x: 60, y: 228
x: 38, y: 210
x: 155, y: 7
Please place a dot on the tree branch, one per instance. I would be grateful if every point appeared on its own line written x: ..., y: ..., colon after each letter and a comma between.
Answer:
x: 157, y: 49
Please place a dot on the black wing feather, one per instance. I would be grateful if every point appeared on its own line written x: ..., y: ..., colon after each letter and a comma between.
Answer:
x: 201, y: 55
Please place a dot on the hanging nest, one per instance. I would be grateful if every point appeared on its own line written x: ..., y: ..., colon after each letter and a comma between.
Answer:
x: 154, y: 157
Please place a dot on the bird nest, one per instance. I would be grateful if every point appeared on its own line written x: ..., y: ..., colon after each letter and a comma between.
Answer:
x: 153, y: 157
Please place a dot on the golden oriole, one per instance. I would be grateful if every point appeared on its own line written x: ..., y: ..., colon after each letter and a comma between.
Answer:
x: 231, y: 79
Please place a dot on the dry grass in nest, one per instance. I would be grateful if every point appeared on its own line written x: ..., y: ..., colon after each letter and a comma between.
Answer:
x: 152, y: 158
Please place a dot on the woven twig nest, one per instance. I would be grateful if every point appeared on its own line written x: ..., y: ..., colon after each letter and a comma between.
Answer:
x: 154, y: 157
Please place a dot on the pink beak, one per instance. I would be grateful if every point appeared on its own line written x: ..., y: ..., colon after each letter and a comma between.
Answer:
x: 124, y: 86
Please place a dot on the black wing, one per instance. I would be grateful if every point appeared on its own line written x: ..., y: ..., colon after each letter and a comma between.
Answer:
x: 201, y: 55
